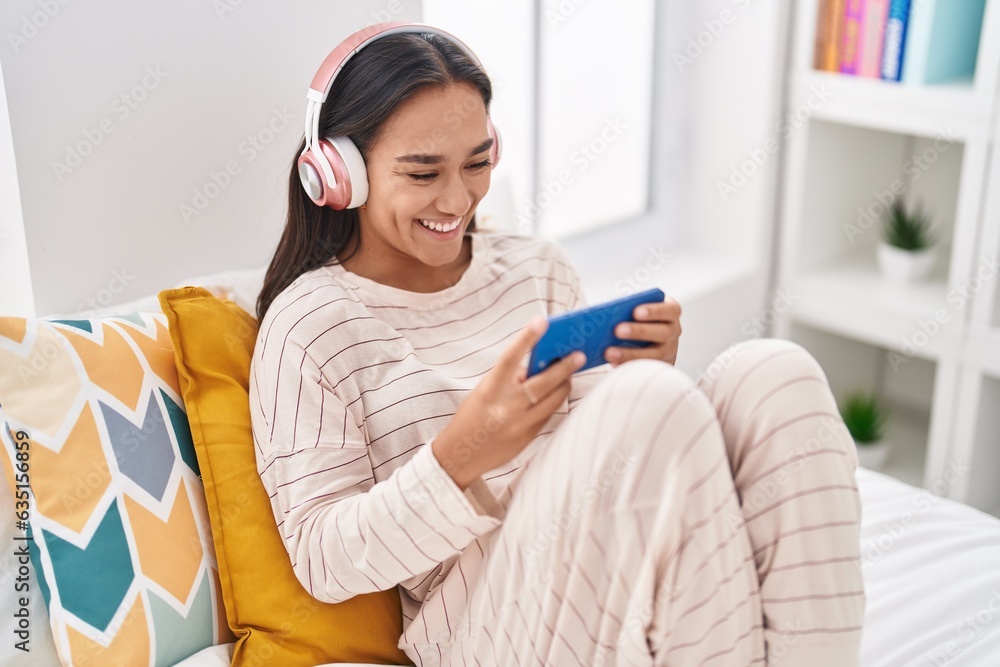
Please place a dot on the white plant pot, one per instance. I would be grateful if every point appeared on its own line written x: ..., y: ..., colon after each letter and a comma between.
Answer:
x: 904, y: 266
x: 873, y: 455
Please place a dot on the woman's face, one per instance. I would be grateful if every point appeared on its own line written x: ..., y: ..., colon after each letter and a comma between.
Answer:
x: 430, y: 164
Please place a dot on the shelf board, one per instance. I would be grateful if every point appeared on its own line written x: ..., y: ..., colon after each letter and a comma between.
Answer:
x: 956, y: 111
x: 855, y: 301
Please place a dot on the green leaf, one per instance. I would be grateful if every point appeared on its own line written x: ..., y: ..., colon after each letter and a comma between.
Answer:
x: 864, y: 417
x: 907, y: 230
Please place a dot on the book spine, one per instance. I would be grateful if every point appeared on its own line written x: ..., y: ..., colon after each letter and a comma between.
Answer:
x: 853, y: 14
x: 895, y: 39
x: 829, y: 31
x: 873, y: 37
x: 942, y: 41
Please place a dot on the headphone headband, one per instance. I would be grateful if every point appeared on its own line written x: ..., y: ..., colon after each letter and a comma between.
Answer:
x: 321, y: 84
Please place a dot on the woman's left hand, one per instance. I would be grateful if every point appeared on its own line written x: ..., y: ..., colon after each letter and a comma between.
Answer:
x: 657, y: 322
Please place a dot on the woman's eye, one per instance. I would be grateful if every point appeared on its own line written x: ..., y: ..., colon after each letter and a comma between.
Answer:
x: 472, y: 167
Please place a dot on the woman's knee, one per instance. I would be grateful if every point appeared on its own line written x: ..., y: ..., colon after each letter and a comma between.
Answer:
x: 782, y: 357
x: 654, y: 405
x: 754, y: 374
x: 646, y: 427
x: 646, y: 384
x: 789, y: 355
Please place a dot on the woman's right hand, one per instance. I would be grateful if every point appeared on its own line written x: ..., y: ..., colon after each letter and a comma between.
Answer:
x: 496, y: 421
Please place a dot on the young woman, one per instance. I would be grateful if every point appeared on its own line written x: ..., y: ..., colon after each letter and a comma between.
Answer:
x: 622, y: 515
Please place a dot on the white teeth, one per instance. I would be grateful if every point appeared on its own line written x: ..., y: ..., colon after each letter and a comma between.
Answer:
x: 439, y: 227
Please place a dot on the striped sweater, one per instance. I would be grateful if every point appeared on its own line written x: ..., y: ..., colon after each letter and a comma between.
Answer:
x: 350, y: 382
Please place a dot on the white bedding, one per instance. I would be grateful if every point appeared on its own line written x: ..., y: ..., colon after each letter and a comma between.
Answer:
x: 932, y: 578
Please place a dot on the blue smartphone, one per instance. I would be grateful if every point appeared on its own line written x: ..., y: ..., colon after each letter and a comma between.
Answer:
x: 589, y: 329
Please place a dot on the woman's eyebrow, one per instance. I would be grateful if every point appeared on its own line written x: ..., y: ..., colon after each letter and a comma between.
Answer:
x: 423, y: 158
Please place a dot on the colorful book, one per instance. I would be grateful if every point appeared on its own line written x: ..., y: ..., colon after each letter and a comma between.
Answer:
x: 871, y: 37
x: 895, y: 39
x: 942, y: 40
x: 853, y: 13
x: 829, y: 33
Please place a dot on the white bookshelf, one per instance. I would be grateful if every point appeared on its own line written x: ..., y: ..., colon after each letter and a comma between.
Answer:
x: 877, y: 104
x: 940, y: 145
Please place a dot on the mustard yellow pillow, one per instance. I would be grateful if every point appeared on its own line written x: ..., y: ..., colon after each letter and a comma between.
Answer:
x: 275, y: 620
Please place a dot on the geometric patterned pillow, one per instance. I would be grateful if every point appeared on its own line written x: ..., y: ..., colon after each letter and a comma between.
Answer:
x: 119, y: 536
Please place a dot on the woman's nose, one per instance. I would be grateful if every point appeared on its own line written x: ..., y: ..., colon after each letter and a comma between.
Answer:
x: 455, y: 197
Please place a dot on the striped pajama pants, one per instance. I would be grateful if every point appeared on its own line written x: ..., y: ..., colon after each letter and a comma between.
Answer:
x: 673, y: 522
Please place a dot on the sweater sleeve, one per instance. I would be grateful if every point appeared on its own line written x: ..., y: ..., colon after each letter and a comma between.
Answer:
x: 344, y: 533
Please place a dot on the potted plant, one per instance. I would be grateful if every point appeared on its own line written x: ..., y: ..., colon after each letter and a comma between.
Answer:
x: 906, y: 252
x: 865, y: 418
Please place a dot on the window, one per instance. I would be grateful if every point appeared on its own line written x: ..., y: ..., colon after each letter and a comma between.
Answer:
x: 573, y: 82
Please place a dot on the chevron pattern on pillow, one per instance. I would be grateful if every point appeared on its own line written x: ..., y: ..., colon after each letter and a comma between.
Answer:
x: 120, y: 540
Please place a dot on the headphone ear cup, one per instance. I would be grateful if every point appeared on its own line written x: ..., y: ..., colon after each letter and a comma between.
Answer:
x: 311, y: 177
x: 355, y: 170
x: 349, y: 171
x: 497, y: 142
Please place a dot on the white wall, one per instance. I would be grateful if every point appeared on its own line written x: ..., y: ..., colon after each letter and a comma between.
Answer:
x: 15, y: 284
x: 160, y: 96
x: 737, y: 100
x: 735, y: 84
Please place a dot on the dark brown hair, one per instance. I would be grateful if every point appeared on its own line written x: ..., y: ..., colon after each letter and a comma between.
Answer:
x: 372, y: 85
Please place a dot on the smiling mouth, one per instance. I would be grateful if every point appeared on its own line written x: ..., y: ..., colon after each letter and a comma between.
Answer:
x: 441, y: 226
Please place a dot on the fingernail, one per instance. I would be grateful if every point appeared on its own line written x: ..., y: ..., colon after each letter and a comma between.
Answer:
x: 625, y: 329
x: 642, y: 312
x: 579, y: 358
x: 613, y: 355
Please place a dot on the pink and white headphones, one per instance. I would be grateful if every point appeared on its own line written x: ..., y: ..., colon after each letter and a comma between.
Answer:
x: 335, y: 175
